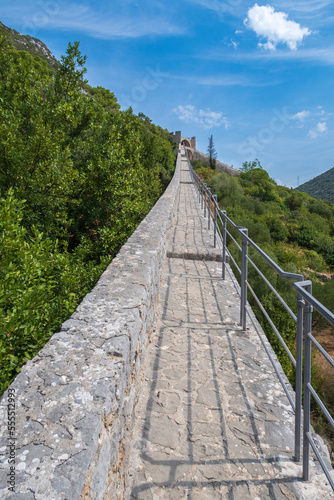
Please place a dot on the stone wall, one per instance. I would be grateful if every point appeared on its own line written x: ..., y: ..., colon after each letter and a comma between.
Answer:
x: 176, y: 136
x: 191, y: 142
x: 197, y: 155
x: 74, y: 401
x: 221, y: 167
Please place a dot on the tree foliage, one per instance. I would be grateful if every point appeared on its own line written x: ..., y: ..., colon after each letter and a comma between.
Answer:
x: 77, y: 175
x: 250, y: 165
x: 212, y: 153
x: 321, y: 187
x: 293, y: 228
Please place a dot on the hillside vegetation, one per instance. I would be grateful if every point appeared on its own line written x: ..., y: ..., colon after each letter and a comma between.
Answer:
x: 297, y: 232
x: 36, y: 48
x: 321, y: 187
x: 77, y: 175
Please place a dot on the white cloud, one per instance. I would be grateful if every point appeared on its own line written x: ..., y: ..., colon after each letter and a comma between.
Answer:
x: 217, y: 6
x: 318, y: 57
x: 204, y: 118
x: 306, y: 6
x: 115, y: 21
x: 319, y: 129
x: 233, y: 44
x: 312, y: 134
x: 301, y: 116
x: 215, y: 80
x: 275, y: 27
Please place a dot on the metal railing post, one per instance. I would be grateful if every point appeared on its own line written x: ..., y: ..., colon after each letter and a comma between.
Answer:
x: 244, y: 276
x: 215, y: 220
x: 307, y: 380
x: 209, y: 207
x: 223, y: 212
x: 202, y: 196
x: 299, y: 374
x: 205, y: 190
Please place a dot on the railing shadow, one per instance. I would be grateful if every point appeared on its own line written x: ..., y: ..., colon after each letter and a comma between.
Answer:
x: 216, y: 327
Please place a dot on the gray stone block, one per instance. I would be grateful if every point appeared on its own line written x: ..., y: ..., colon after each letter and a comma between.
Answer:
x: 100, y: 476
x: 74, y: 471
x: 90, y: 427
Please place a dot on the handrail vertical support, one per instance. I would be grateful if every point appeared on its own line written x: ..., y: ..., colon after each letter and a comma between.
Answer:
x: 223, y: 212
x: 307, y: 380
x: 244, y: 277
x: 204, y: 195
x: 209, y: 207
x: 299, y: 374
x: 215, y: 220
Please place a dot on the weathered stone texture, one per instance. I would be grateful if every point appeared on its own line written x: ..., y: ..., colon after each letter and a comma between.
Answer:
x: 75, y: 399
x: 212, y: 420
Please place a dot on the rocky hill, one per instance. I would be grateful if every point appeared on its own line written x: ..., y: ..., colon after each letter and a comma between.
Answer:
x: 321, y: 187
x: 32, y: 45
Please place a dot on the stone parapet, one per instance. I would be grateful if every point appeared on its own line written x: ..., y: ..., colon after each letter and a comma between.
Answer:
x: 74, y: 401
x: 221, y: 167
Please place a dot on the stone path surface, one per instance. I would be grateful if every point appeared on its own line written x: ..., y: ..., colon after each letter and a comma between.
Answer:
x: 212, y: 420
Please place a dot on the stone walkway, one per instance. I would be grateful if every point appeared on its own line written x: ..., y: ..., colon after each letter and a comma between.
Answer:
x: 212, y: 420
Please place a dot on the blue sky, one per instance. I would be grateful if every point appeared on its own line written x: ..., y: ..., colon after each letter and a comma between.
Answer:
x: 257, y: 76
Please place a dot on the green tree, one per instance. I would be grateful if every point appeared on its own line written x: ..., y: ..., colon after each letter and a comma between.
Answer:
x: 250, y: 165
x: 212, y: 153
x: 77, y: 175
x: 104, y: 97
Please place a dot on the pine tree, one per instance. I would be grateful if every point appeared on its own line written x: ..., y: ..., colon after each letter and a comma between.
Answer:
x: 212, y: 153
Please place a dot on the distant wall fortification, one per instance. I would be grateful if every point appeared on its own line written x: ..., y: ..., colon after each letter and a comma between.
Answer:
x: 186, y: 141
x: 221, y: 167
x: 193, y: 154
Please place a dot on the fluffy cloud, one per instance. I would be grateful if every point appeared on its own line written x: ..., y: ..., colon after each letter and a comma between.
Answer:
x: 301, y: 116
x: 319, y: 129
x: 204, y: 118
x: 275, y: 27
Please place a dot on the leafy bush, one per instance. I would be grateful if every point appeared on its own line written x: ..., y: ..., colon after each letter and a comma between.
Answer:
x: 77, y: 176
x: 276, y: 227
x: 228, y: 190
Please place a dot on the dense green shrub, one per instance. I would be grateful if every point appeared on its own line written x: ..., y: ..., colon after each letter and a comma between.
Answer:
x: 291, y: 227
x: 77, y: 175
x: 297, y: 232
x: 227, y: 188
x: 276, y: 227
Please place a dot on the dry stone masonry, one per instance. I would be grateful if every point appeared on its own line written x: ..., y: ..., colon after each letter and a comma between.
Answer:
x: 151, y: 390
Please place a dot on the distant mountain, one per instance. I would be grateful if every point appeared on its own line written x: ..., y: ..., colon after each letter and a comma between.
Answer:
x: 32, y: 45
x: 321, y: 187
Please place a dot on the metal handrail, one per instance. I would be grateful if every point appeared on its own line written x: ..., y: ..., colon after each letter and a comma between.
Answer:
x: 305, y: 290
x: 305, y: 303
x: 205, y: 196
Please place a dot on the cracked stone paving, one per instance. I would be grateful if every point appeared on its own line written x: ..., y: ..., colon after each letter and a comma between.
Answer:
x: 212, y: 420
